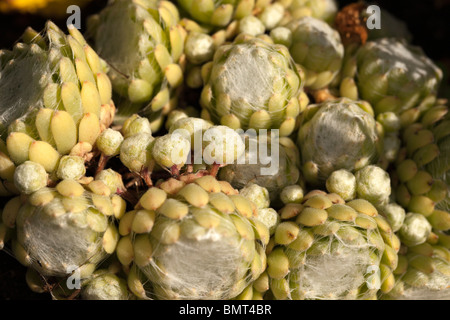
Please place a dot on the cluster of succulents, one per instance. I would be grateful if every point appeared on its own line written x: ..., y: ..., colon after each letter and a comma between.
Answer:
x: 225, y: 150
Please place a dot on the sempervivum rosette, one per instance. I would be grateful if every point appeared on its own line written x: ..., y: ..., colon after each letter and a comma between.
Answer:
x: 320, y: 9
x: 105, y: 285
x: 421, y: 180
x: 143, y: 43
x: 423, y: 272
x: 255, y: 84
x: 326, y: 248
x: 220, y: 14
x: 318, y: 49
x: 394, y: 76
x: 65, y: 229
x: 275, y: 170
x: 55, y: 101
x: 198, y: 240
x: 340, y: 134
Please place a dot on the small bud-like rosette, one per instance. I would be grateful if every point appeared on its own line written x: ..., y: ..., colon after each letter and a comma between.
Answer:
x: 105, y: 285
x: 65, y: 229
x: 56, y: 100
x: 252, y: 83
x: 340, y: 134
x: 143, y: 43
x: 371, y: 183
x: 326, y: 248
x: 318, y: 49
x: 200, y: 240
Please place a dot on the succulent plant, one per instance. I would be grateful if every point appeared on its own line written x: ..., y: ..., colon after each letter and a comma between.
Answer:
x: 318, y: 49
x: 143, y: 43
x: 439, y: 167
x: 340, y: 134
x: 104, y: 285
x: 198, y: 240
x: 320, y: 9
x: 421, y: 169
x: 326, y: 248
x: 394, y: 213
x: 135, y: 151
x: 423, y: 272
x: 29, y: 177
x: 218, y: 14
x: 255, y: 84
x: 394, y: 76
x: 67, y: 105
x: 256, y: 194
x: 195, y: 188
x: 275, y: 170
x: 370, y: 183
x: 64, y: 229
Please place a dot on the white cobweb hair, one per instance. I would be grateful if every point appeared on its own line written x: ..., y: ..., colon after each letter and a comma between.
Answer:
x: 22, y: 83
x: 59, y: 245
x: 339, y: 271
x: 206, y: 268
x: 249, y: 77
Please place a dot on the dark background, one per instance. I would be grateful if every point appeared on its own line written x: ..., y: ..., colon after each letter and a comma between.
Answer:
x: 428, y: 22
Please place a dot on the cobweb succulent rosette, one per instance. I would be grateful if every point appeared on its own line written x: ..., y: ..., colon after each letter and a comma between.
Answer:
x: 420, y: 171
x: 423, y: 272
x: 340, y: 134
x: 371, y: 183
x: 143, y: 43
x: 326, y: 248
x: 276, y: 169
x: 64, y: 229
x: 394, y: 76
x: 255, y: 84
x: 105, y: 285
x: 196, y: 240
x: 55, y: 100
x: 318, y: 49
